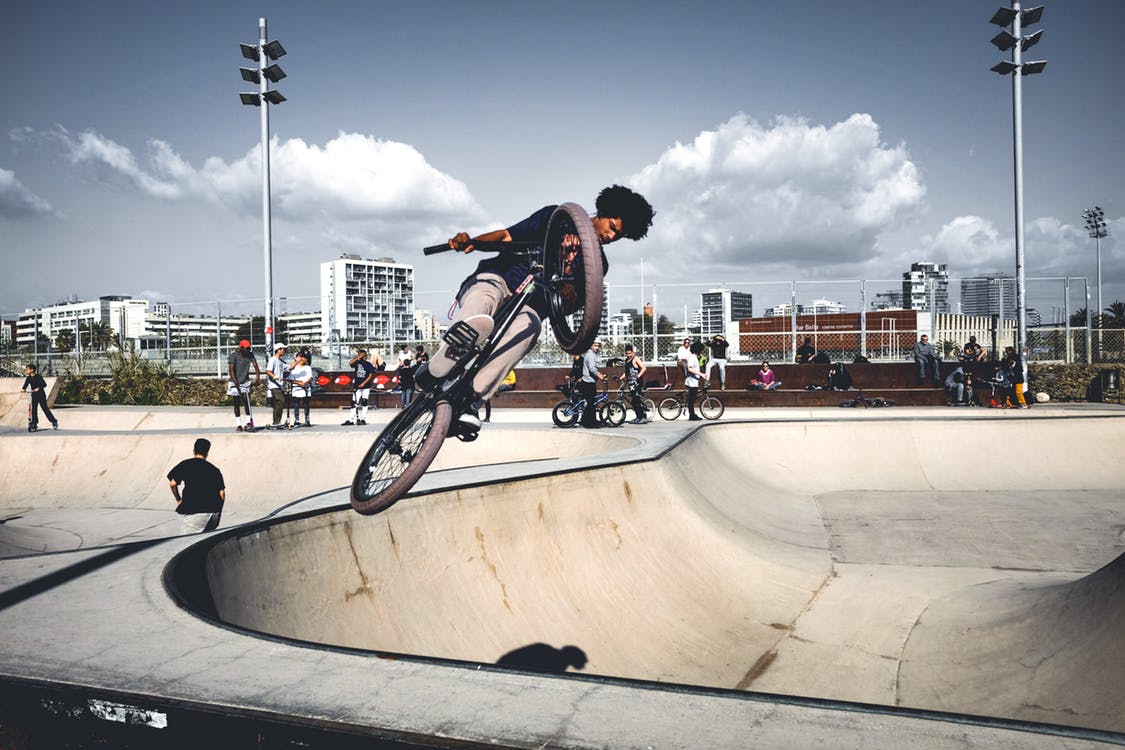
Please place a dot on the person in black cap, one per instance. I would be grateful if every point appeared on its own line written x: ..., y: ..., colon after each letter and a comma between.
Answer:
x: 201, y: 504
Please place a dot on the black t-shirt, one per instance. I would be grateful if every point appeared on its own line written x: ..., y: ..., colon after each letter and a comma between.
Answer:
x: 34, y: 382
x: 202, y: 483
x: 718, y: 348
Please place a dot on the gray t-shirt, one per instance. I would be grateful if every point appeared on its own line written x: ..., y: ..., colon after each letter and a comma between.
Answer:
x: 590, y: 367
x: 241, y: 365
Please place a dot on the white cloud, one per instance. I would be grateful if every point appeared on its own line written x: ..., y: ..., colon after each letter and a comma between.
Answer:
x: 351, y: 177
x: 747, y: 195
x: 16, y: 200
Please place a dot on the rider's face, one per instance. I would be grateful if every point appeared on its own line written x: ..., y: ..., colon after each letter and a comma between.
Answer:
x: 608, y: 228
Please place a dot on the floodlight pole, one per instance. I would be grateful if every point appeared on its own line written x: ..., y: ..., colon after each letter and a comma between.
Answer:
x: 1017, y: 130
x: 267, y: 241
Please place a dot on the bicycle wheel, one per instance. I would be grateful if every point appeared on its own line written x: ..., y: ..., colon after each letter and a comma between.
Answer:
x: 650, y: 407
x: 615, y: 414
x: 711, y: 408
x: 400, y: 456
x: 670, y: 408
x: 577, y: 275
x: 564, y: 415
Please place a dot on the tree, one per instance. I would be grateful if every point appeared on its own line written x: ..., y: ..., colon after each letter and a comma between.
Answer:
x: 1078, y: 318
x: 64, y: 340
x: 254, y: 330
x: 96, y: 335
x: 1114, y: 315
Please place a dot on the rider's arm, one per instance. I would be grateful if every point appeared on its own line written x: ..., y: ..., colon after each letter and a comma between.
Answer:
x: 463, y: 242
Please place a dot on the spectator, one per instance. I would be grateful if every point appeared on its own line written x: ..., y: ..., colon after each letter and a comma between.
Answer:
x: 683, y: 352
x: 302, y: 376
x: 572, y: 378
x: 718, y: 346
x: 973, y: 352
x: 588, y: 385
x: 959, y: 386
x: 405, y: 374
x: 507, y: 384
x: 927, y: 359
x: 363, y: 376
x: 766, y: 380
x: 38, y: 387
x: 238, y: 386
x: 276, y: 368
x: 806, y: 352
x: 1013, y: 372
x: 634, y: 377
x: 692, y: 377
x: 201, y: 505
x: 839, y: 379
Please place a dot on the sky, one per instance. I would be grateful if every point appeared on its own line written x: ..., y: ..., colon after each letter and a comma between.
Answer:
x: 778, y: 142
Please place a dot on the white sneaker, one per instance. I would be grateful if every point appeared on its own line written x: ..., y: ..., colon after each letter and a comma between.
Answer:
x: 440, y: 364
x: 469, y: 421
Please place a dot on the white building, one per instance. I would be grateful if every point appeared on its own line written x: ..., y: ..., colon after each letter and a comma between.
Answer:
x: 367, y: 301
x: 719, y: 308
x: 926, y: 287
x: 124, y: 315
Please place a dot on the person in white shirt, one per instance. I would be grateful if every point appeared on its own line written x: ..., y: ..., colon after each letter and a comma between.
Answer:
x: 301, y: 375
x: 692, y: 376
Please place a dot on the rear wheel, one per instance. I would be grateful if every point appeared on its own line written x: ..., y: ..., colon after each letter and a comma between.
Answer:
x: 576, y: 273
x: 564, y: 415
x: 400, y: 455
x: 670, y: 408
x: 711, y: 408
x: 650, y: 407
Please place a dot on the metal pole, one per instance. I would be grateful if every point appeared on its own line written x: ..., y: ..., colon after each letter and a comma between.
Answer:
x: 863, y: 317
x: 266, y: 242
x: 793, y: 317
x: 1068, y: 355
x: 1089, y: 337
x: 1098, y: 241
x: 1017, y: 125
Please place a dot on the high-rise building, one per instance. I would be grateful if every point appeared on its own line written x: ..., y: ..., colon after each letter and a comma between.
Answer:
x: 719, y: 307
x: 926, y: 287
x: 889, y: 300
x: 991, y: 294
x: 367, y: 301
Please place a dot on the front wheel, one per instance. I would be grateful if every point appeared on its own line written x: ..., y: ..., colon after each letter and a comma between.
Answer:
x: 711, y: 408
x: 576, y: 275
x: 670, y: 408
x: 565, y: 414
x: 650, y: 407
x: 400, y: 456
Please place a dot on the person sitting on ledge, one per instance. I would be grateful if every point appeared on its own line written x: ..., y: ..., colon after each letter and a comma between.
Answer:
x: 766, y: 380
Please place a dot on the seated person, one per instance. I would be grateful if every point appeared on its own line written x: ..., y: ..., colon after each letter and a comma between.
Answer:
x: 1001, y: 390
x: 839, y: 379
x: 973, y: 352
x: 766, y: 380
x: 959, y: 386
x: 805, y: 352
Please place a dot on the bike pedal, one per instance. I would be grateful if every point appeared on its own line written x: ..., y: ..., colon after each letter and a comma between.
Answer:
x: 461, y: 338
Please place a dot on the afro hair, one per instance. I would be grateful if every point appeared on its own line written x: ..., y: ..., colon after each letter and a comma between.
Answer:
x: 632, y: 208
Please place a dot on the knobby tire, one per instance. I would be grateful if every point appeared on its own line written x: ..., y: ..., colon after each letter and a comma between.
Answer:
x: 399, y: 456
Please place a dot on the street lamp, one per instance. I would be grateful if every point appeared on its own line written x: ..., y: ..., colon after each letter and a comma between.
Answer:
x: 1004, y: 41
x: 263, y: 75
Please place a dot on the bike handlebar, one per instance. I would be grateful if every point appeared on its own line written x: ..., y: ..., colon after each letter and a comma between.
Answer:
x: 489, y: 247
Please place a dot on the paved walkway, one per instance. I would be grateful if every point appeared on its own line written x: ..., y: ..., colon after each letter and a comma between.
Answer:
x: 911, y: 560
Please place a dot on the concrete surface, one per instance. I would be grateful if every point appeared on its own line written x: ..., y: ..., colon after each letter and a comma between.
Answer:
x: 827, y: 554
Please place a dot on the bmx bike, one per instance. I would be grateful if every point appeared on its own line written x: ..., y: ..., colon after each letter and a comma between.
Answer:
x: 708, y: 406
x: 566, y: 272
x: 568, y: 412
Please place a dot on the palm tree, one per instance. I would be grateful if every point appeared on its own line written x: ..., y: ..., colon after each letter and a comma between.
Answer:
x: 1114, y: 315
x: 1078, y: 318
x: 64, y: 340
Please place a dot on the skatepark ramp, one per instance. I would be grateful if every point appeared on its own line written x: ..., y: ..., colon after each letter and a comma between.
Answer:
x: 894, y: 569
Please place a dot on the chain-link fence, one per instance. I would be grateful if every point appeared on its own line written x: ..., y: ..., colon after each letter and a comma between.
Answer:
x: 761, y: 321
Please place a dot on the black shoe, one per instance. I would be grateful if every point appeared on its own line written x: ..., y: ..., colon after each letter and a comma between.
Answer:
x: 695, y: 419
x: 361, y: 422
x: 33, y: 428
x: 55, y: 425
x: 349, y: 423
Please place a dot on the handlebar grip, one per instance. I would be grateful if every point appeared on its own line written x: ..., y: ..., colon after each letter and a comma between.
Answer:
x: 435, y: 249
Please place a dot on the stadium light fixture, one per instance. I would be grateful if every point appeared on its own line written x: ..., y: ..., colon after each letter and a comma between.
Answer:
x: 1013, y: 40
x: 263, y: 76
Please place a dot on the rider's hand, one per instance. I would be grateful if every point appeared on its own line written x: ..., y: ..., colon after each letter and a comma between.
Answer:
x: 461, y: 242
x: 571, y: 240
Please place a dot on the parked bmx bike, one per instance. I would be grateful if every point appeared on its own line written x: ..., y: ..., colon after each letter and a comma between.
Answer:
x: 568, y: 412
x: 407, y: 446
x: 708, y: 406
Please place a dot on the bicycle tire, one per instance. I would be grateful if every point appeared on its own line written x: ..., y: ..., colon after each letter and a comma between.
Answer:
x: 562, y: 417
x: 400, y: 456
x: 711, y: 408
x: 615, y: 414
x: 588, y: 289
x: 650, y: 407
x: 670, y: 408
